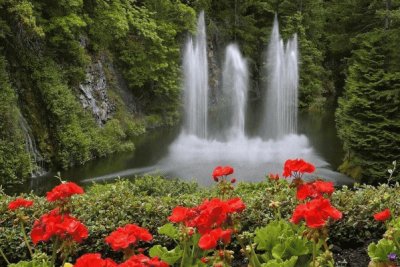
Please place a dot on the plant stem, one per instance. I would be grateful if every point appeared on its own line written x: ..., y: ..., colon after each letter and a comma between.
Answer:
x: 314, y: 252
x: 26, y: 239
x: 4, y: 256
x: 184, y: 254
x: 65, y: 259
x: 252, y: 256
x: 54, y: 253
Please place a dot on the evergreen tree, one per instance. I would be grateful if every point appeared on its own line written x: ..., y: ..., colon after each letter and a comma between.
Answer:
x: 368, y: 117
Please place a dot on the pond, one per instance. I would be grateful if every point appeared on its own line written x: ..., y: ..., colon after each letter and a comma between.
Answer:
x: 168, y: 152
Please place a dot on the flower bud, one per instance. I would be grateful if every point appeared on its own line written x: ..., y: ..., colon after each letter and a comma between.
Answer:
x: 190, y: 231
x: 204, y: 260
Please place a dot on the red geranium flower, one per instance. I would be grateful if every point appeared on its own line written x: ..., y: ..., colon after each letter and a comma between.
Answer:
x: 141, y: 260
x: 383, y: 215
x: 314, y: 189
x: 123, y: 237
x: 94, y: 260
x: 61, y: 225
x: 208, y: 215
x: 155, y: 262
x: 73, y: 228
x: 181, y: 214
x: 316, y: 213
x: 235, y: 205
x: 64, y: 190
x: 19, y: 203
x: 213, y: 213
x: 222, y: 171
x: 207, y: 242
x: 210, y: 240
x: 296, y: 167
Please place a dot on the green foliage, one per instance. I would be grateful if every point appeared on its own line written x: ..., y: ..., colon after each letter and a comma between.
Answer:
x: 15, y: 163
x: 107, y: 21
x: 49, y: 45
x: 379, y: 252
x: 389, y: 244
x: 368, y: 117
x: 169, y: 256
x: 148, y: 201
x: 282, y: 244
x: 39, y: 260
x: 150, y: 57
x: 30, y: 264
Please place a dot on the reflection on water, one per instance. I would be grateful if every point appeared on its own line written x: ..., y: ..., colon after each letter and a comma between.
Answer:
x: 166, y: 151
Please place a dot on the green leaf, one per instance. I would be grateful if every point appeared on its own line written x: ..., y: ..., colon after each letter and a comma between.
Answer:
x: 278, y: 251
x: 169, y: 256
x: 272, y: 234
x: 297, y: 246
x: 280, y: 263
x: 169, y: 230
x: 380, y: 251
x: 30, y: 264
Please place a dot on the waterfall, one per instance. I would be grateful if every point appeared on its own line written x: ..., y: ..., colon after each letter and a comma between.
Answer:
x: 234, y: 88
x: 195, y: 68
x: 282, y: 89
x: 37, y: 161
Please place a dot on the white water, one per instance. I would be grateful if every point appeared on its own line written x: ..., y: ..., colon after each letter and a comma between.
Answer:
x: 195, y: 69
x: 234, y: 88
x: 37, y: 162
x: 282, y: 90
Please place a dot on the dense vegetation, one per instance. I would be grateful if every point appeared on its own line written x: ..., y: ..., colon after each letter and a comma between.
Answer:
x: 368, y: 117
x: 148, y: 201
x: 47, y: 48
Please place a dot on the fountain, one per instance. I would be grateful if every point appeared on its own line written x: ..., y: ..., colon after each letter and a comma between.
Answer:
x: 282, y: 90
x: 197, y: 150
x: 234, y: 88
x: 195, y: 69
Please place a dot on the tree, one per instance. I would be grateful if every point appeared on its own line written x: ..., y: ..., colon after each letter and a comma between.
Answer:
x: 368, y: 116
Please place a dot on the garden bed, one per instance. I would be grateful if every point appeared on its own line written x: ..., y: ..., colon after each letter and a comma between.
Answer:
x: 148, y: 201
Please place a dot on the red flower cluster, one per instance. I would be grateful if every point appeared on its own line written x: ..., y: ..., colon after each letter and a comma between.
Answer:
x: 56, y: 224
x: 94, y: 260
x: 208, y: 218
x: 316, y: 213
x: 221, y: 171
x: 296, y: 167
x: 123, y: 237
x: 210, y: 240
x: 63, y: 191
x: 314, y: 189
x: 383, y: 215
x: 211, y: 213
x: 19, y: 203
x: 141, y: 260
